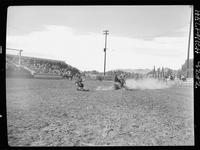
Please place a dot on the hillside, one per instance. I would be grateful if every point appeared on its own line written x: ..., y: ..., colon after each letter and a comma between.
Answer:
x: 140, y: 71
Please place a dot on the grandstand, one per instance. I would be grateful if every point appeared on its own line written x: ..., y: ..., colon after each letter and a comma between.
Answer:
x: 37, y: 67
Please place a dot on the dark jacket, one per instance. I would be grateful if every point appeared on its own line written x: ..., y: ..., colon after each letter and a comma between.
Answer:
x: 116, y: 79
x: 79, y: 82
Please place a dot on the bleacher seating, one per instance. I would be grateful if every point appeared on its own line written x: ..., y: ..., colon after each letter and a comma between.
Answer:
x: 39, y: 65
x: 13, y: 70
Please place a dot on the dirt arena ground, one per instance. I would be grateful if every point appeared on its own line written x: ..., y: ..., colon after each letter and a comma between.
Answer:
x: 42, y: 112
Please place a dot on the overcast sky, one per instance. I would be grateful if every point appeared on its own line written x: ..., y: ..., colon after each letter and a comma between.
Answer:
x: 139, y: 36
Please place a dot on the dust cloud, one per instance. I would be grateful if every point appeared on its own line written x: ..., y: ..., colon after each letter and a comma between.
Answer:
x: 147, y: 84
x: 104, y: 88
x: 142, y: 84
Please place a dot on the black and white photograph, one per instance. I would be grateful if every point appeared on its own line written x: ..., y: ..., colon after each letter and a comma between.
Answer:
x: 100, y: 75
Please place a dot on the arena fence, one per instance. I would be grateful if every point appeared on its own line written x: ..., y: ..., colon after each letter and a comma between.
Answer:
x: 47, y: 76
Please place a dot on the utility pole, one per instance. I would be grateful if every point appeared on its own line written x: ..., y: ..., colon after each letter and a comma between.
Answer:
x: 106, y: 33
x: 20, y: 53
x: 158, y: 72
x: 163, y: 75
x: 188, y: 53
x: 154, y: 72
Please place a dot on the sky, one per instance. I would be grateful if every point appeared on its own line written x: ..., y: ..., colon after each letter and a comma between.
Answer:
x: 139, y: 36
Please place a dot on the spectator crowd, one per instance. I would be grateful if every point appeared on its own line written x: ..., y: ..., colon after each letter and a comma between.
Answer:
x: 40, y: 66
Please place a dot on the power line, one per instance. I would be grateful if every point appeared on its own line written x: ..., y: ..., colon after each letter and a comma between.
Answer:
x: 14, y: 49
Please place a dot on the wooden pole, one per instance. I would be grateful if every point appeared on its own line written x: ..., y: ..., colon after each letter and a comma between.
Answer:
x: 188, y: 53
x: 106, y: 33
